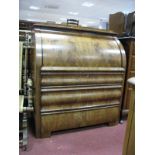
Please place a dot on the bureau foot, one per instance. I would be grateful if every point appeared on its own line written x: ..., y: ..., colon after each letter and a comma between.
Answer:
x: 45, y: 135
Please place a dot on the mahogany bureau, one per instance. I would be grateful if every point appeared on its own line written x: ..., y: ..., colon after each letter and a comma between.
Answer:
x: 78, y: 77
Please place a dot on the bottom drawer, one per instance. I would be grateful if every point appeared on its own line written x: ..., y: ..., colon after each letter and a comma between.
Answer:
x: 76, y: 119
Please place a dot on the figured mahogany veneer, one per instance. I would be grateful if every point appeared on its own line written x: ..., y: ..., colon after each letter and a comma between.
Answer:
x: 78, y: 77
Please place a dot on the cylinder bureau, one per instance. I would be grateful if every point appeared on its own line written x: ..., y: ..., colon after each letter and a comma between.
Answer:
x: 78, y: 77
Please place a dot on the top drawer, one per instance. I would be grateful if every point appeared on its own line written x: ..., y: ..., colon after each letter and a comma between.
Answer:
x: 64, y: 76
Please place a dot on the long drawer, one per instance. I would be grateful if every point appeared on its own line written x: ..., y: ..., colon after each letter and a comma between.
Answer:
x: 81, y: 94
x: 66, y: 76
x: 75, y: 119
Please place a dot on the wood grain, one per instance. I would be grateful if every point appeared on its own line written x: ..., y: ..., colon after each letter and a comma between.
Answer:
x: 79, y: 78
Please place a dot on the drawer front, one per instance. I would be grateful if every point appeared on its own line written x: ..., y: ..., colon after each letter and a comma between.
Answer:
x: 80, y: 79
x: 75, y: 119
x: 80, y: 87
x: 81, y: 96
x: 66, y: 76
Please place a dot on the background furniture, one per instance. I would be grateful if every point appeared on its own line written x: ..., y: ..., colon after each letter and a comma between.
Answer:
x: 129, y: 46
x: 25, y: 91
x: 129, y: 141
x: 122, y: 24
x: 117, y: 22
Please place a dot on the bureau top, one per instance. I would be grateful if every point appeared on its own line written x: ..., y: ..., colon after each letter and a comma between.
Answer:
x: 71, y: 28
